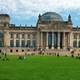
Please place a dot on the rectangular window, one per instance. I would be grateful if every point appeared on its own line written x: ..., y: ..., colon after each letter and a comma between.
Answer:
x: 11, y: 35
x: 23, y: 36
x: 28, y: 43
x: 1, y: 43
x: 75, y: 36
x: 11, y: 43
x: 75, y: 44
x: 23, y: 43
x: 17, y: 35
x: 17, y: 43
x: 28, y: 36
x: 34, y: 43
x: 34, y: 36
x: 79, y: 44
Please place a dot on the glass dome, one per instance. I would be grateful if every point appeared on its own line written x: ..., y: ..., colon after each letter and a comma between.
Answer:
x: 51, y: 16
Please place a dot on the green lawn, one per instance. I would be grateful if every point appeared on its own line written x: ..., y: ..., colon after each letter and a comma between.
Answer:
x: 40, y: 68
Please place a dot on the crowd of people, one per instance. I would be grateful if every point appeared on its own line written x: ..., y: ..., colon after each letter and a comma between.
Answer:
x: 4, y: 55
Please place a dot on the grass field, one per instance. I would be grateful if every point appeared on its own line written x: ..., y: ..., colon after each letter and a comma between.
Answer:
x: 40, y: 68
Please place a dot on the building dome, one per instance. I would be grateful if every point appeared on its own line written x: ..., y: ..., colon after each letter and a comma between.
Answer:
x: 51, y: 16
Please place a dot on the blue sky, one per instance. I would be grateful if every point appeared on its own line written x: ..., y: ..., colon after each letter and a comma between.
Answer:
x: 27, y: 11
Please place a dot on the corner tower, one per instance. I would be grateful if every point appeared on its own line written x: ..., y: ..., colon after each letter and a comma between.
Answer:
x: 4, y: 21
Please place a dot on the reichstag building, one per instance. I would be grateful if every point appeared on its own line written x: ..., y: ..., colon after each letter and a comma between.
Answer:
x: 51, y: 33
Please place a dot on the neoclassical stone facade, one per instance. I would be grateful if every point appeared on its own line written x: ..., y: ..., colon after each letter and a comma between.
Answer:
x: 50, y: 33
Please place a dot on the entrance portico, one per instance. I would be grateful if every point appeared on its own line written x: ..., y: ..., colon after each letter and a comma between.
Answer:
x: 55, y: 40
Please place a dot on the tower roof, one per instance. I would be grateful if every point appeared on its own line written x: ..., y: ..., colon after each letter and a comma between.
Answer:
x: 5, y: 15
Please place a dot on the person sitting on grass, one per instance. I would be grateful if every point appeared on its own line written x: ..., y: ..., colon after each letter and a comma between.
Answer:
x: 72, y: 54
x: 21, y: 57
x: 5, y: 57
x: 78, y: 56
x: 57, y: 54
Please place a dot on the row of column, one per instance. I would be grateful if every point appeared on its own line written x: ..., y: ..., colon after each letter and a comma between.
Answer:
x: 58, y: 42
x: 53, y: 37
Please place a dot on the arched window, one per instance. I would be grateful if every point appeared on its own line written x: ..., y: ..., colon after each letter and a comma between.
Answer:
x: 75, y: 44
x: 11, y: 50
x: 22, y: 50
x: 17, y: 50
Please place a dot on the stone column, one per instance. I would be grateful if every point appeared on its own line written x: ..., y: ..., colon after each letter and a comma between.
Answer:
x: 71, y: 40
x: 47, y: 40
x: 8, y: 38
x: 41, y: 40
x: 64, y: 40
x: 38, y: 39
x: 14, y: 40
x: 77, y: 40
x: 58, y: 40
x: 25, y: 40
x: 20, y: 39
x: 31, y: 39
x: 52, y: 40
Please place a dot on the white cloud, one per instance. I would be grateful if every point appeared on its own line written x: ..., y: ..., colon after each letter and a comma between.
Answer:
x: 31, y: 8
x: 37, y: 6
x: 8, y: 5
